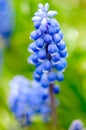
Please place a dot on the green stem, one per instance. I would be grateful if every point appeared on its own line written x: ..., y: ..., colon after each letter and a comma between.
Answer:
x: 53, y: 107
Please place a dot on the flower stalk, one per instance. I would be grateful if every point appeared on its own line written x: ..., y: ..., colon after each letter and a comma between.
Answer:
x: 53, y: 107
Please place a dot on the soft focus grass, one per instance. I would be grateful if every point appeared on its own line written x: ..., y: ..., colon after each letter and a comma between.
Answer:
x: 72, y: 18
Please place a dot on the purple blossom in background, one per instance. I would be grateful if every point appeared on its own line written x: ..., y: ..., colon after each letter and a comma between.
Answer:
x: 28, y: 99
x: 48, y: 48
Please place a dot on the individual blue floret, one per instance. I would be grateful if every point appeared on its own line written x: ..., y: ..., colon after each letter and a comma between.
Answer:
x: 44, y: 81
x: 46, y: 66
x: 63, y: 53
x: 52, y: 77
x: 61, y: 65
x: 37, y: 25
x: 47, y: 39
x: 33, y: 59
x: 38, y: 71
x: 61, y: 45
x: 36, y: 34
x: 56, y: 89
x: 60, y: 76
x: 36, y: 76
x: 33, y: 47
x: 51, y: 49
x: 42, y: 55
x: 57, y: 38
x: 55, y: 58
x: 61, y: 34
x: 39, y: 43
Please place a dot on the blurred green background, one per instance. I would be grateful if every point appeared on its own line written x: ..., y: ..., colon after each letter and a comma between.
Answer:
x: 72, y: 19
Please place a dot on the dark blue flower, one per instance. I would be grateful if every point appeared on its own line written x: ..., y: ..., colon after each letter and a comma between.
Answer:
x: 56, y: 89
x: 42, y: 55
x: 51, y: 76
x: 61, y: 45
x: 55, y: 58
x: 33, y: 59
x: 38, y: 71
x: 39, y: 43
x: 61, y: 65
x: 44, y: 81
x: 33, y: 47
x: 46, y: 66
x: 60, y: 76
x: 63, y: 53
x: 47, y: 38
x: 52, y: 49
x: 57, y: 38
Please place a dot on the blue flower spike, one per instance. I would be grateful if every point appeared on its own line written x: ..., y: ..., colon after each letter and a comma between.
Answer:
x: 49, y: 47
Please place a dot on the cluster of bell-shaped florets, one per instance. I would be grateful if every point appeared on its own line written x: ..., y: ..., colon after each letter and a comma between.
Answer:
x: 49, y: 49
x: 28, y: 99
x: 76, y: 125
x: 6, y: 19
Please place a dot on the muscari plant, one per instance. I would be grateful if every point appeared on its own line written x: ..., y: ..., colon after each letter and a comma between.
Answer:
x: 27, y: 99
x: 49, y: 52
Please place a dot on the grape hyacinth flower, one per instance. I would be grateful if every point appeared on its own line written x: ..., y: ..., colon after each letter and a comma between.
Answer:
x: 76, y: 125
x: 49, y: 51
x: 28, y: 99
x: 6, y: 20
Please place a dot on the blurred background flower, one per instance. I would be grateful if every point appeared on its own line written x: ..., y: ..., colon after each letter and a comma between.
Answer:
x: 6, y: 27
x: 76, y: 125
x: 6, y: 20
x: 27, y: 99
x: 72, y: 18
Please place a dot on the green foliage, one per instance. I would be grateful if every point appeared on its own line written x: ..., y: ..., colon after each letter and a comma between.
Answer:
x: 72, y: 18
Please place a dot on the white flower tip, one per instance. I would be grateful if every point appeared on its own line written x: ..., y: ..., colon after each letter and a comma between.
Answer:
x: 46, y: 7
x: 51, y: 13
x: 40, y: 6
x: 30, y: 50
x: 36, y: 18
